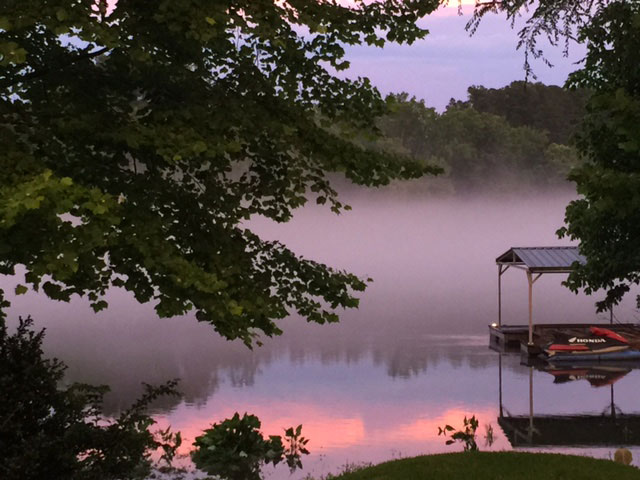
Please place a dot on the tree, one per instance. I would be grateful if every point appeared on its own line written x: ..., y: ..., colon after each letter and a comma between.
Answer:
x: 138, y: 139
x: 606, y: 219
x: 556, y: 110
x: 409, y: 126
x: 476, y: 148
x: 480, y: 146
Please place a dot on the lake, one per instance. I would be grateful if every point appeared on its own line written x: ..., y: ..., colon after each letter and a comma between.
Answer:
x: 412, y: 358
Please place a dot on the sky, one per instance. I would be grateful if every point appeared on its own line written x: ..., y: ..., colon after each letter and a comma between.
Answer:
x: 449, y: 60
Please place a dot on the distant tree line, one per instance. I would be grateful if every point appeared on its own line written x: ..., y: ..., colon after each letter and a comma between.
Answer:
x: 550, y: 108
x: 521, y: 133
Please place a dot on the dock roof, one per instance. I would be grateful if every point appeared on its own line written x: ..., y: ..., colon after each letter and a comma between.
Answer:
x: 542, y: 259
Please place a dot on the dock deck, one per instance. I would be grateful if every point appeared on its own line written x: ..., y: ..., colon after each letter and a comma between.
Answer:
x: 513, y: 338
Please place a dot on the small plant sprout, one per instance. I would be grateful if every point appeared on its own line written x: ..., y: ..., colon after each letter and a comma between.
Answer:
x: 467, y: 435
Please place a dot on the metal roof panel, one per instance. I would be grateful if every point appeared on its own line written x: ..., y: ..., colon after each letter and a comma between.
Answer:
x: 543, y: 258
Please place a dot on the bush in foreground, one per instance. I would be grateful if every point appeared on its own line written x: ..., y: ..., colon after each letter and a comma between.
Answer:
x: 48, y: 432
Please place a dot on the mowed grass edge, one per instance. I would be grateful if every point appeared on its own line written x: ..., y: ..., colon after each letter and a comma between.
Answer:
x: 496, y: 466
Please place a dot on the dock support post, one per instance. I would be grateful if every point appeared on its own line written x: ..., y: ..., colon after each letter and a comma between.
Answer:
x: 530, y: 404
x: 611, y: 315
x: 530, y: 280
x: 501, y: 270
x: 500, y: 383
x: 499, y: 295
x: 613, y: 405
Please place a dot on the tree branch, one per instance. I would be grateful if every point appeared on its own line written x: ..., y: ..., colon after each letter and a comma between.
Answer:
x: 45, y: 71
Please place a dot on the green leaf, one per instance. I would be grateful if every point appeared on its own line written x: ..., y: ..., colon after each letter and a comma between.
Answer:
x: 21, y: 290
x: 5, y: 24
x: 99, y: 305
x: 199, y: 147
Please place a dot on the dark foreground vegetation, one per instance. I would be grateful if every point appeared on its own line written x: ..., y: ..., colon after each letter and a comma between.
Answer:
x: 53, y: 431
x: 495, y: 466
x: 57, y: 432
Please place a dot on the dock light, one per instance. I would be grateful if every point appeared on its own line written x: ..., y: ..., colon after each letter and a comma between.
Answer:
x: 494, y: 325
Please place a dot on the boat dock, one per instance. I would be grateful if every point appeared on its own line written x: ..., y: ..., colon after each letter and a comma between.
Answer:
x: 514, y: 338
x: 530, y: 339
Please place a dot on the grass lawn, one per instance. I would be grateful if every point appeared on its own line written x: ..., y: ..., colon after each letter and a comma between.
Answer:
x: 496, y: 466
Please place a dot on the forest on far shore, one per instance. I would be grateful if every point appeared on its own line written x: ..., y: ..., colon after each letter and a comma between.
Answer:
x: 498, y: 139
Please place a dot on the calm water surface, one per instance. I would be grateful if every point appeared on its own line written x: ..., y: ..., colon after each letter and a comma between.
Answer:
x: 378, y: 385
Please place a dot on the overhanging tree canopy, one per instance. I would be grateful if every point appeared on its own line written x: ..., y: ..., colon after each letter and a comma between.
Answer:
x: 605, y: 219
x: 136, y: 141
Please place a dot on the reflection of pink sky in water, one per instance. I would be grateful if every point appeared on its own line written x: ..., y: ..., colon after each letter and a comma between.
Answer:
x: 360, y: 423
x: 339, y: 437
x: 333, y: 432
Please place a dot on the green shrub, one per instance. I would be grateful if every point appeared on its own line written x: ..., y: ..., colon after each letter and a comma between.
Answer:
x: 236, y: 450
x: 47, y: 432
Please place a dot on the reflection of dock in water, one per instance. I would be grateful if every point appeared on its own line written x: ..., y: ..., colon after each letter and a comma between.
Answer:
x: 571, y: 430
x: 597, y: 375
x: 609, y: 428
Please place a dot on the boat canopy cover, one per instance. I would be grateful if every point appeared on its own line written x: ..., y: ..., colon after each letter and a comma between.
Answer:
x: 542, y: 259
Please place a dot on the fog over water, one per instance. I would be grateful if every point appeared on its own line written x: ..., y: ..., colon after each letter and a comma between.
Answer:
x: 376, y: 385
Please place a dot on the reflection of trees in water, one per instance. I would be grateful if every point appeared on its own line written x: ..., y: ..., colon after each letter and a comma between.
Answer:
x: 405, y: 362
x: 244, y: 374
x: 201, y: 373
x: 123, y: 360
x: 402, y: 348
x: 125, y: 354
